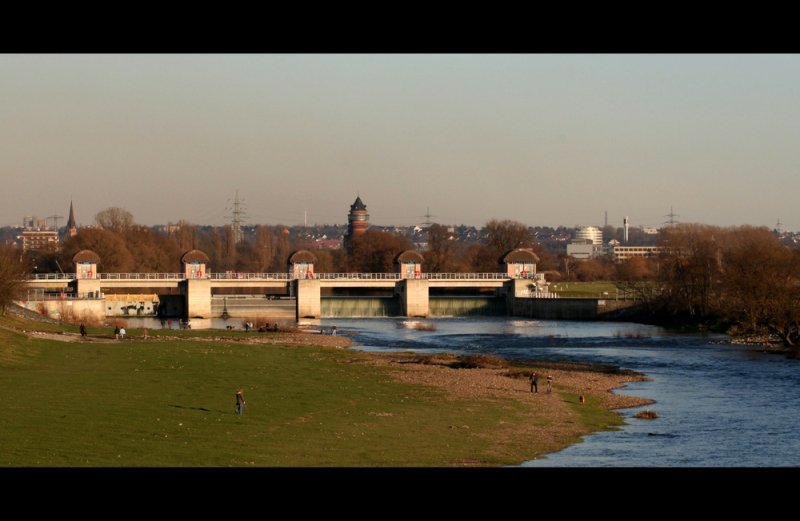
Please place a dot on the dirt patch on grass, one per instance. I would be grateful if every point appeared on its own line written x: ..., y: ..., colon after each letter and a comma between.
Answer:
x: 299, y: 338
x: 548, y: 420
x: 66, y: 336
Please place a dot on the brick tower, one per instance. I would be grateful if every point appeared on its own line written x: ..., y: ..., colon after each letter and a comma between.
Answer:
x: 357, y: 221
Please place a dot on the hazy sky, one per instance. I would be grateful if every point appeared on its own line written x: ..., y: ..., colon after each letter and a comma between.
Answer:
x: 541, y: 139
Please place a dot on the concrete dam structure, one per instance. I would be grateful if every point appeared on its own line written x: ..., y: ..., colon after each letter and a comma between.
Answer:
x: 300, y: 293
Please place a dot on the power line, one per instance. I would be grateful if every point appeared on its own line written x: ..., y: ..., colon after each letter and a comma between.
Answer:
x: 237, y: 217
x: 672, y: 215
x: 427, y: 217
x: 55, y: 218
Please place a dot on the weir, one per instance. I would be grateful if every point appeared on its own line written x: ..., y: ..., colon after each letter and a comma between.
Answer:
x: 360, y: 307
x: 253, y: 307
x: 301, y: 293
x: 467, y: 306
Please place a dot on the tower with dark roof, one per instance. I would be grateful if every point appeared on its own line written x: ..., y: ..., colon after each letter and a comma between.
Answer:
x: 72, y: 228
x: 357, y: 221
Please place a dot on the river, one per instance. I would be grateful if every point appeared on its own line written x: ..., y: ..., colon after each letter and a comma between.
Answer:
x: 719, y: 405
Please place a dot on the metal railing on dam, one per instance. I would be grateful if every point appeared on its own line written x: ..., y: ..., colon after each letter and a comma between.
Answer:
x: 250, y: 276
x: 274, y: 276
x: 51, y: 276
x: 110, y: 276
x: 464, y: 276
x: 356, y: 276
x: 141, y: 276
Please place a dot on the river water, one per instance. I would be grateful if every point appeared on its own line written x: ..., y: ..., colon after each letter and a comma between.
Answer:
x: 719, y: 405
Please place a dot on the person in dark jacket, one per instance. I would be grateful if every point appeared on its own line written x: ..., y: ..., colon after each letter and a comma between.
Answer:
x: 240, y: 403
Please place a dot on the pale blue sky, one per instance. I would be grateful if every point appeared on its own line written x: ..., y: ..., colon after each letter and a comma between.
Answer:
x: 541, y: 139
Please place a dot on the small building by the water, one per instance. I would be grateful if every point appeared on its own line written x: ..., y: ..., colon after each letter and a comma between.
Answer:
x: 301, y: 264
x: 408, y: 264
x: 194, y: 264
x: 519, y: 263
x: 86, y: 262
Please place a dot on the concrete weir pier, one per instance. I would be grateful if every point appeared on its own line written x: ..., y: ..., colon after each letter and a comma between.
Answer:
x: 298, y: 293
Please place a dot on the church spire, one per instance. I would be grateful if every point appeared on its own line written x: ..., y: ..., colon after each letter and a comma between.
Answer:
x: 72, y: 228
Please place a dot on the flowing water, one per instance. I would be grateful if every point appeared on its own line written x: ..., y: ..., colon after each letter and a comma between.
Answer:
x: 719, y: 405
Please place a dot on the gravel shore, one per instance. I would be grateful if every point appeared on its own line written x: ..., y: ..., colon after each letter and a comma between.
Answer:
x: 549, y: 420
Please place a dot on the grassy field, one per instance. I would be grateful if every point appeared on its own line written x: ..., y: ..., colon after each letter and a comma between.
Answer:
x: 599, y: 289
x: 170, y: 402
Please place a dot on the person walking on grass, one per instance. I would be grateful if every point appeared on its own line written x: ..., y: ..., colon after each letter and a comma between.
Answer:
x: 549, y: 383
x: 116, y: 332
x: 240, y: 403
x: 83, y: 330
x: 534, y: 383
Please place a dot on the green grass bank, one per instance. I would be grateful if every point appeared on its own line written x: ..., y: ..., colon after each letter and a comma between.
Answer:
x: 169, y: 401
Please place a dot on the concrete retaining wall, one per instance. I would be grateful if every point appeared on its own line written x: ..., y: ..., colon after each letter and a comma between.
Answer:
x: 569, y: 308
x: 72, y: 310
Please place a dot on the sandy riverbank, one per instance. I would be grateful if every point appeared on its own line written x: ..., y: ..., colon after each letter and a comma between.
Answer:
x: 552, y: 419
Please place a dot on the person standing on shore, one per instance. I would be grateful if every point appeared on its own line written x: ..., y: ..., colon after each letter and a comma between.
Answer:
x: 549, y: 383
x: 534, y: 383
x: 240, y: 403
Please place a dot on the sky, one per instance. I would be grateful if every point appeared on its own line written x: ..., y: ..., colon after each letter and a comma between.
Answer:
x: 546, y: 140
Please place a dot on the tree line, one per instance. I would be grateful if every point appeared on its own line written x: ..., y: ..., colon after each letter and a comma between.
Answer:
x: 742, y: 279
x: 125, y: 246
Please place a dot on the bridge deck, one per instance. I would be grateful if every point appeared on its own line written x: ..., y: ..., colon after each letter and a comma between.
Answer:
x: 57, y: 281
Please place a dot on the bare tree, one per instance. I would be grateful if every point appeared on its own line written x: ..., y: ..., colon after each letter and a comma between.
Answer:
x: 739, y: 277
x: 501, y: 236
x: 593, y: 269
x: 152, y: 252
x: 281, y: 250
x: 13, y: 271
x: 185, y: 235
x: 374, y: 251
x: 114, y: 254
x: 761, y: 284
x: 689, y: 267
x: 636, y: 269
x: 114, y: 219
x: 440, y: 256
x: 505, y: 235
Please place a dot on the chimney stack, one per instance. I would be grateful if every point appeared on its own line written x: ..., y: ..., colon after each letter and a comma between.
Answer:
x: 625, y: 233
